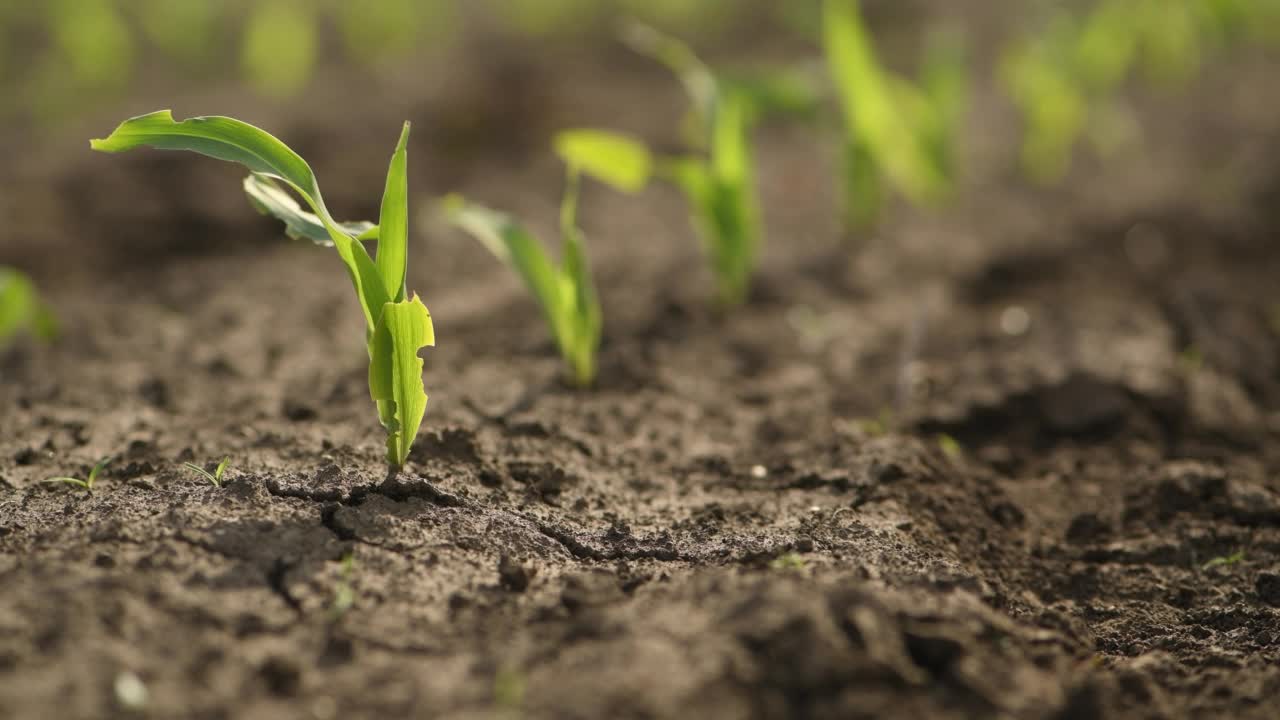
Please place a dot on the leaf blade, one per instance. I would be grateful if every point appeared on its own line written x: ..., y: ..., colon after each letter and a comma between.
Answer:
x: 403, y: 329
x: 393, y: 222
x: 270, y: 199
x: 215, y: 136
x: 616, y: 159
x: 515, y: 246
x: 232, y: 140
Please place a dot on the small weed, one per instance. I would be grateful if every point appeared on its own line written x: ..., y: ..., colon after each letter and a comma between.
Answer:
x: 87, y: 483
x: 788, y: 561
x: 344, y: 593
x: 950, y: 446
x: 1224, y: 560
x: 215, y: 477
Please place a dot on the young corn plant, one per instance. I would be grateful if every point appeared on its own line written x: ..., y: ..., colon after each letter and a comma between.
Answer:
x: 88, y: 482
x: 565, y: 291
x: 397, y: 325
x: 21, y: 309
x: 719, y: 179
x: 898, y: 134
x: 216, y: 477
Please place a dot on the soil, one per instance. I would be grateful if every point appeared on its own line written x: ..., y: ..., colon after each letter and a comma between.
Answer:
x: 1013, y: 459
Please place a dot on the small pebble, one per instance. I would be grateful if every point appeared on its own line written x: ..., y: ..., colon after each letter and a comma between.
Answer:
x: 1015, y: 321
x: 131, y: 692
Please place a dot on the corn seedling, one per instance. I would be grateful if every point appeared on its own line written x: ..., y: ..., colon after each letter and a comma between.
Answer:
x: 565, y: 291
x: 719, y: 180
x: 215, y: 477
x: 397, y: 326
x: 21, y: 309
x: 897, y: 133
x: 87, y: 483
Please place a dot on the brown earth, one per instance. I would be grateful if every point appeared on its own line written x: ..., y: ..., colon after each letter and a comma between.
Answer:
x: 868, y: 493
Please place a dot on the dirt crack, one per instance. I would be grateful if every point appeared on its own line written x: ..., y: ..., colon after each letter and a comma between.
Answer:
x: 582, y: 551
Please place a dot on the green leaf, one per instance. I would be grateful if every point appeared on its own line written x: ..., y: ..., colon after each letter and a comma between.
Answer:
x: 945, y: 84
x: 566, y: 294
x: 735, y: 208
x: 698, y: 80
x: 613, y: 158
x: 515, y: 246
x: 393, y: 239
x: 871, y: 100
x: 231, y: 140
x: 793, y: 92
x: 218, y: 137
x: 395, y: 372
x: 586, y: 317
x: 21, y: 308
x: 270, y: 199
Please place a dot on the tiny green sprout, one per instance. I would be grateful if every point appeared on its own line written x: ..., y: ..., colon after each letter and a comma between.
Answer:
x: 897, y: 132
x: 344, y: 594
x: 87, y: 483
x: 215, y: 477
x: 1224, y: 560
x: 397, y: 325
x: 787, y: 561
x: 566, y: 291
x: 950, y: 446
x: 21, y: 308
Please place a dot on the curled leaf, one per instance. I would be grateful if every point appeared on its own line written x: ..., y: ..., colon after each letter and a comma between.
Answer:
x: 612, y: 158
x: 395, y: 372
x: 270, y: 199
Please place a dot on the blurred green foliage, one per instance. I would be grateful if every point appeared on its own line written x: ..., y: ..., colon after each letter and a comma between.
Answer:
x: 1065, y: 79
x: 21, y: 309
x: 279, y: 49
x: 898, y: 132
x: 58, y: 56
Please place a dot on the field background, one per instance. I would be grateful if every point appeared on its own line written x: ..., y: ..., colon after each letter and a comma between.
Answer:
x: 867, y: 493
